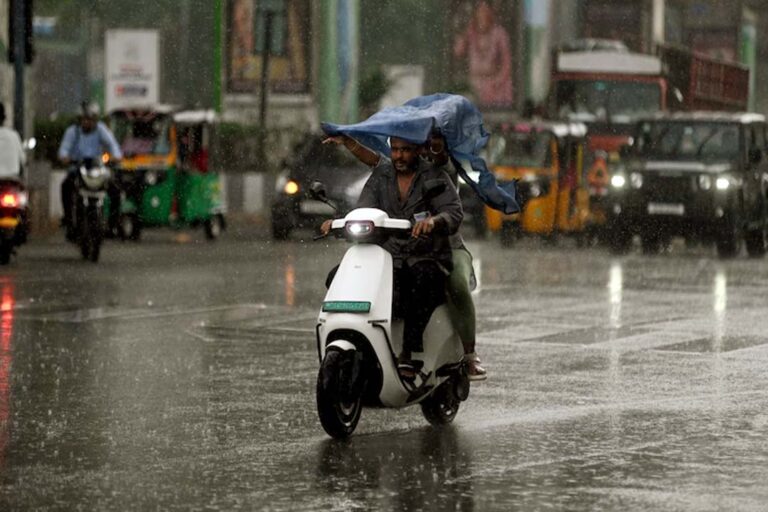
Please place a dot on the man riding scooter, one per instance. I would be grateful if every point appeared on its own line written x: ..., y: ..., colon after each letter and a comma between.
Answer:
x: 422, y: 263
x: 87, y: 139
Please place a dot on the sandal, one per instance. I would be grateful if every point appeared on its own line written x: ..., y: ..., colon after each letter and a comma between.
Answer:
x: 475, y: 372
x: 407, y: 370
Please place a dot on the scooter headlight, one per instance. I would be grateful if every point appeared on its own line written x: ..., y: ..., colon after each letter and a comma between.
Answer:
x: 359, y: 229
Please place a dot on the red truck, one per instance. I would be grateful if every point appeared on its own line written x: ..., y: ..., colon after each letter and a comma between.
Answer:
x: 603, y: 84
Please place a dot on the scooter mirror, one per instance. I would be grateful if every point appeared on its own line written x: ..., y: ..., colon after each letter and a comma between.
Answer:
x: 317, y: 191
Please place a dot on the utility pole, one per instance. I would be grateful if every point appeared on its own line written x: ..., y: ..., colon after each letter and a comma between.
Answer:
x: 19, y: 59
x: 658, y: 36
x: 265, y: 55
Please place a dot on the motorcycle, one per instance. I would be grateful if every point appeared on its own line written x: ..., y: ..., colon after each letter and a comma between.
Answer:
x: 13, y: 217
x: 357, y: 338
x: 88, y: 212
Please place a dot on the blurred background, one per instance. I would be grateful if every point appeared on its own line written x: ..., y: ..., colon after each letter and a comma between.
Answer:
x: 336, y: 60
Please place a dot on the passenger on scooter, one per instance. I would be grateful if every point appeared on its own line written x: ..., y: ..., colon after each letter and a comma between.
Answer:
x: 87, y: 139
x: 421, y: 263
x: 460, y: 302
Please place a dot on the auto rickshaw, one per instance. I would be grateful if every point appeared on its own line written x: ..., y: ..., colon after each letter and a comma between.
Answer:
x: 165, y: 176
x: 548, y: 159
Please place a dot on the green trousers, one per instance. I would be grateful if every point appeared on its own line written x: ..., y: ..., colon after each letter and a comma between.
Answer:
x: 460, y: 304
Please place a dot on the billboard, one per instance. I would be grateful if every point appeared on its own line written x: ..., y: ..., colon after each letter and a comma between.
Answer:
x: 288, y: 45
x: 482, y: 50
x: 132, y: 68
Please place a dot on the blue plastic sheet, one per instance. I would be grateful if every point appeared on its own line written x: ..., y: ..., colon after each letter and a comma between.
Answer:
x: 460, y: 123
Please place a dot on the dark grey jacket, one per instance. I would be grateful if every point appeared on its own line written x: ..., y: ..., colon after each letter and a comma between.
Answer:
x: 381, y: 192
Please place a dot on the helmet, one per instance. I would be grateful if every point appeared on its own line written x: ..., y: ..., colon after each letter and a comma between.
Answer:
x: 88, y: 110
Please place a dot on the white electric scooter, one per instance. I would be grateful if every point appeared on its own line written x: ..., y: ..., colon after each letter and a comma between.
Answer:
x: 357, y: 338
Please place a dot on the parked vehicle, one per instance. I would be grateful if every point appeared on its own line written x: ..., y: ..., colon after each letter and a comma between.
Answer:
x: 165, y: 176
x: 314, y: 161
x: 703, y: 176
x: 88, y: 207
x: 357, y: 338
x: 548, y: 159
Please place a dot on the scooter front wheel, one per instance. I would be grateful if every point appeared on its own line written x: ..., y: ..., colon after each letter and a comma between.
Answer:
x: 338, y: 406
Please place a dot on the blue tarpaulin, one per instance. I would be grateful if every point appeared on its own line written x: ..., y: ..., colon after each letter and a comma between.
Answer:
x: 460, y: 123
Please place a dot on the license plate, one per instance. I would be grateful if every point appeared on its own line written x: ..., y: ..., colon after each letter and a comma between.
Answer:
x: 313, y: 207
x: 666, y: 209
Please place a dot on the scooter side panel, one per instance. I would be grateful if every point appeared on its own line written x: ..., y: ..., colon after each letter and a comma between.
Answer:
x: 442, y: 345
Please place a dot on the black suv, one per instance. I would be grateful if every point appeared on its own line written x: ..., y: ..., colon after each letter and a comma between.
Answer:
x: 342, y: 174
x: 700, y: 175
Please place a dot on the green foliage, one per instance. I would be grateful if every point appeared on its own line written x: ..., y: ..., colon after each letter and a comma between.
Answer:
x: 373, y: 87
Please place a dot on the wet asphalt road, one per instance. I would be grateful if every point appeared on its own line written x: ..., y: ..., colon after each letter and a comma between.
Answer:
x: 179, y: 375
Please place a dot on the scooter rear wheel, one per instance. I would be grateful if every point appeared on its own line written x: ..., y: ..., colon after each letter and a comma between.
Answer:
x: 440, y: 407
x: 338, y: 414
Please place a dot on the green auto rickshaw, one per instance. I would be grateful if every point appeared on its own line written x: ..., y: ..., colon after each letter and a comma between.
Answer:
x: 165, y: 177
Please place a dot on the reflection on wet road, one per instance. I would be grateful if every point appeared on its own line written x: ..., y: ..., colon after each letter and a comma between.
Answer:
x: 182, y: 377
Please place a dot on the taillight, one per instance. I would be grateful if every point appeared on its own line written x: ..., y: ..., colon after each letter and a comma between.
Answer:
x: 9, y: 200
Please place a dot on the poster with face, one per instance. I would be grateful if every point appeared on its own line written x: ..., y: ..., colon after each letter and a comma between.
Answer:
x: 288, y: 45
x: 482, y: 50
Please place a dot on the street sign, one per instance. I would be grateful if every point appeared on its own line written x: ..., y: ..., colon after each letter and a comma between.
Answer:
x: 132, y: 69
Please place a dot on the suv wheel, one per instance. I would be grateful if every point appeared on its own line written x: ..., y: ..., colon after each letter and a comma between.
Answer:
x: 619, y: 240
x: 651, y: 243
x: 755, y: 242
x: 728, y: 243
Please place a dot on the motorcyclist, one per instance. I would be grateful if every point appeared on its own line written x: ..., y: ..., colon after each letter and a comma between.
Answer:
x: 87, y: 139
x: 422, y: 263
x: 12, y: 157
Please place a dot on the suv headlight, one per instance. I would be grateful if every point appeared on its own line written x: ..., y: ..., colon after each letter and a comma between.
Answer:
x: 727, y: 181
x: 618, y: 181
x: 705, y: 182
x: 636, y: 180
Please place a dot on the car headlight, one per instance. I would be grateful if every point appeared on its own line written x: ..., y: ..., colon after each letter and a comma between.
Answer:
x: 291, y: 187
x: 705, y: 182
x: 723, y: 183
x: 636, y: 180
x: 618, y: 181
